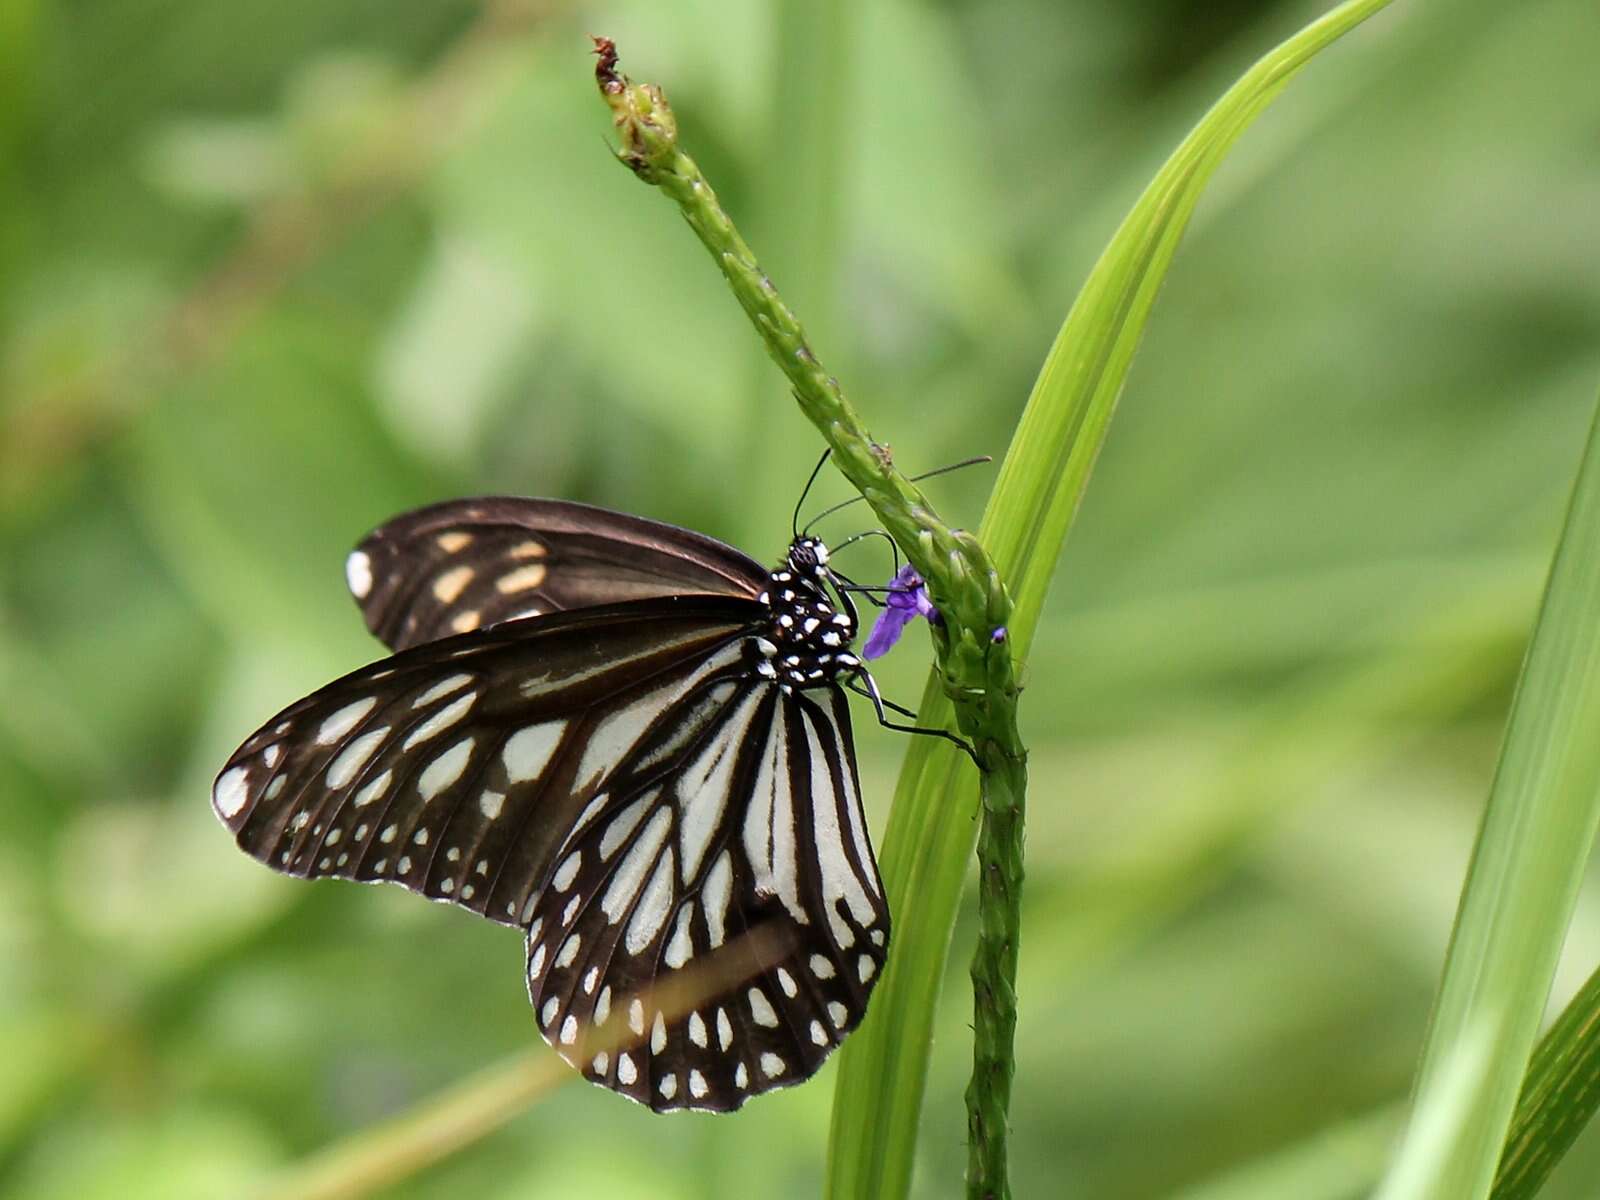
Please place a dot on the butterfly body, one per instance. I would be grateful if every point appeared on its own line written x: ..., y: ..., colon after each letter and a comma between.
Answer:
x: 808, y: 639
x: 638, y: 751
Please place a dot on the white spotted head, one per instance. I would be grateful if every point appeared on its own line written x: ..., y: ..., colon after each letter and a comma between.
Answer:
x: 808, y: 556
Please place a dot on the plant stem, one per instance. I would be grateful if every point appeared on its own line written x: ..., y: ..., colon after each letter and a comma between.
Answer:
x: 971, y: 645
x: 994, y: 977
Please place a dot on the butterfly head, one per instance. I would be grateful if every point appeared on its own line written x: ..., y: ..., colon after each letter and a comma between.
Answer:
x: 807, y: 641
x: 808, y: 556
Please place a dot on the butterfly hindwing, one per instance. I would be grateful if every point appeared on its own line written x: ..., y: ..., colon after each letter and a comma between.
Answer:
x: 758, y: 830
x: 470, y: 564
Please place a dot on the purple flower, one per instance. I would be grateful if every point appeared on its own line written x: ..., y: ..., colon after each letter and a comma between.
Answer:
x: 907, y: 599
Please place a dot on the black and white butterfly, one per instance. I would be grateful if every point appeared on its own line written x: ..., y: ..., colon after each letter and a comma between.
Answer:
x: 625, y: 738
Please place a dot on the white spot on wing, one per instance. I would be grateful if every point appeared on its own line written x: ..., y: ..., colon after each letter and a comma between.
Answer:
x: 528, y: 750
x: 567, y: 871
x: 704, y: 786
x: 446, y: 769
x: 358, y: 573
x: 697, y: 1030
x: 697, y: 1085
x: 551, y: 1007
x: 441, y: 720
x: 569, y: 950
x: 724, y: 1029
x: 837, y: 1013
x: 626, y: 1071
x: 761, y: 1009
x: 681, y: 948
x: 354, y: 756
x: 769, y: 824
x: 520, y: 580
x: 771, y: 1065
x: 630, y: 873
x: 449, y: 586
x: 838, y: 876
x: 231, y: 792
x: 621, y: 826
x: 714, y: 897
x: 491, y: 803
x: 440, y: 690
x: 658, y: 1035
x: 651, y: 914
x: 343, y: 721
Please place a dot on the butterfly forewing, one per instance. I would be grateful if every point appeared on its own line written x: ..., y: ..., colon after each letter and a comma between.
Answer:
x: 458, y: 767
x: 471, y: 564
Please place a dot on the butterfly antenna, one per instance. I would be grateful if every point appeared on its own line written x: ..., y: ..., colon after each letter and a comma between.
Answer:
x: 828, y: 512
x: 794, y: 522
x: 866, y: 533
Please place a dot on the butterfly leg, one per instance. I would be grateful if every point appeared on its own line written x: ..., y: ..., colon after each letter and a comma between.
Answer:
x: 879, y: 704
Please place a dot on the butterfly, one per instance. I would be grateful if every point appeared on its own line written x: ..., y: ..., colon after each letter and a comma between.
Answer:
x: 627, y: 739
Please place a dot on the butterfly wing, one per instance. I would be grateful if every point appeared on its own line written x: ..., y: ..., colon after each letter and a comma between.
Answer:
x: 470, y: 564
x: 758, y: 829
x: 621, y: 783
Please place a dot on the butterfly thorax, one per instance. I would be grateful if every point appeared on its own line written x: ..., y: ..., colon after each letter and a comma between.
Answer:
x: 807, y: 639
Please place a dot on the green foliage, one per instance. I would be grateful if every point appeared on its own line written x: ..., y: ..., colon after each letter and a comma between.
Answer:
x: 1537, y: 833
x: 1041, y: 482
x: 1264, y: 699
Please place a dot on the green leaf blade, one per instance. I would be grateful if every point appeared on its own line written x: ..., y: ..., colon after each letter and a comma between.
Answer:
x: 1534, y: 840
x: 932, y: 826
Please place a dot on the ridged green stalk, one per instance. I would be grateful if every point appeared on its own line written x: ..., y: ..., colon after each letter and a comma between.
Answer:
x: 972, y: 648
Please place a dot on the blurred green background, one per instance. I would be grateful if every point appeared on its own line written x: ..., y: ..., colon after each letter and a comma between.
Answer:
x: 271, y: 273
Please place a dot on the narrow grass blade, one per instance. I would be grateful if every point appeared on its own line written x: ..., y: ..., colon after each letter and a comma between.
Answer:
x: 1559, y: 1097
x: 1440, y: 1132
x: 931, y: 825
x: 1535, y: 837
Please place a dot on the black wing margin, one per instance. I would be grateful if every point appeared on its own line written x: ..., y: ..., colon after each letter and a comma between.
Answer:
x: 470, y: 564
